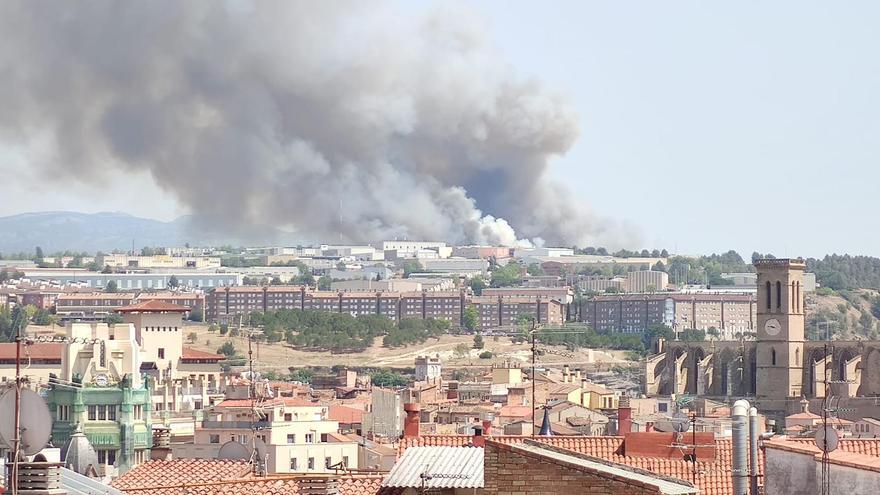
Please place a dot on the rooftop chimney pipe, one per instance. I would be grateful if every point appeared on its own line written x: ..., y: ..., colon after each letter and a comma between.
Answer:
x: 753, y: 451
x: 411, y: 422
x: 740, y: 473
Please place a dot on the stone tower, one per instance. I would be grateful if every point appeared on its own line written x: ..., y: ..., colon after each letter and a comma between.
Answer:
x: 780, y: 329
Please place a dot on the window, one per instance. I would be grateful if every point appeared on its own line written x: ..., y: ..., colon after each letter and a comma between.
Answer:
x: 63, y: 413
x: 778, y: 295
x: 311, y: 465
x: 345, y: 461
x: 291, y: 438
x: 288, y: 417
x: 768, y: 295
x: 773, y: 357
x: 294, y: 465
x: 662, y: 407
x: 111, y: 413
x: 107, y: 457
x: 328, y: 462
x: 138, y: 411
x: 213, y: 438
x: 93, y: 413
x: 310, y: 438
x: 323, y: 438
x: 161, y: 353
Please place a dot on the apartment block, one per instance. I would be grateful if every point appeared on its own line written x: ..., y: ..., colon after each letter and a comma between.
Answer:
x: 646, y: 281
x: 635, y: 313
x: 498, y: 311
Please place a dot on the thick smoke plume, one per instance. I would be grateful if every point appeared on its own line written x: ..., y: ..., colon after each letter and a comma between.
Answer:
x: 314, y: 117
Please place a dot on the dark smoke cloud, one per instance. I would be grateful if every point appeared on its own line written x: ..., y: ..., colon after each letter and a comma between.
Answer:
x: 315, y: 117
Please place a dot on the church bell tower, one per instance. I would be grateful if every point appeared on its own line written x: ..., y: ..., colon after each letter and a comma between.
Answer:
x: 780, y: 331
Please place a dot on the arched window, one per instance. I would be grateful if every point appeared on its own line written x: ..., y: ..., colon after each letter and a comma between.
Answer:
x: 768, y: 295
x: 773, y: 357
x: 797, y: 357
x: 793, y: 307
x: 799, y: 297
x: 778, y: 295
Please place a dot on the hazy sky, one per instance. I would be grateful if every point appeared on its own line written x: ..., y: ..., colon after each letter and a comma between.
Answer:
x: 704, y: 125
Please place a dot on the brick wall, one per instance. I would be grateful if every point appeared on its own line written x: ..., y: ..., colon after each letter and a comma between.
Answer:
x: 511, y: 472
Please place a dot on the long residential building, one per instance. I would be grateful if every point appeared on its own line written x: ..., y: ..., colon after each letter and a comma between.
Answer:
x: 635, y: 313
x: 225, y: 305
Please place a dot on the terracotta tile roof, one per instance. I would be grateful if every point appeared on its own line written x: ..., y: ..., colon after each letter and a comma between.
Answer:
x: 190, y: 353
x: 712, y: 477
x: 346, y: 415
x: 34, y: 351
x: 153, y: 306
x: 221, y: 477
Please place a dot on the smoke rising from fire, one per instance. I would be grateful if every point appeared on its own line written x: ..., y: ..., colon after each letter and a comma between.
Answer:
x: 314, y: 117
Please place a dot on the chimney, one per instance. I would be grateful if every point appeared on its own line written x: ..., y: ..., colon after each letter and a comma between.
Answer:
x: 753, y: 450
x: 411, y: 423
x: 479, y: 440
x: 577, y: 373
x: 624, y: 416
x: 487, y: 419
x: 740, y: 472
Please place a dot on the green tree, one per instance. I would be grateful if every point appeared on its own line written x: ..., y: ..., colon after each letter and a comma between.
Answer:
x: 477, y: 284
x: 506, y: 276
x: 192, y: 337
x: 713, y: 333
x: 148, y: 251
x: 197, y: 315
x: 324, y: 282
x: 478, y: 341
x: 692, y: 335
x: 212, y: 328
x: 486, y: 355
x: 227, y: 349
x: 224, y: 329
x: 387, y: 378
x: 412, y: 266
x: 173, y: 283
x: 302, y: 375
x: 38, y: 254
x: 461, y: 350
x: 111, y: 287
x: 535, y: 270
x: 471, y: 318
x: 107, y: 269
x: 113, y: 319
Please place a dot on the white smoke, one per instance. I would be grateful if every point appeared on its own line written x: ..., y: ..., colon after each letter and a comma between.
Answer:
x: 315, y: 117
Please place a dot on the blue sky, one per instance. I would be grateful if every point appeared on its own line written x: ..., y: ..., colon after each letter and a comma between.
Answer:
x: 705, y: 126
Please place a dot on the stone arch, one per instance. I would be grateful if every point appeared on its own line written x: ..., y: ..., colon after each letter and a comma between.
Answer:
x: 729, y: 370
x: 695, y: 356
x: 870, y: 385
x: 847, y: 371
x: 814, y: 374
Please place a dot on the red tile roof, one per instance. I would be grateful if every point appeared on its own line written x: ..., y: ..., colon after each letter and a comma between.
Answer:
x: 346, y: 415
x: 34, y: 351
x: 190, y: 353
x: 712, y: 477
x: 153, y: 306
x: 216, y: 477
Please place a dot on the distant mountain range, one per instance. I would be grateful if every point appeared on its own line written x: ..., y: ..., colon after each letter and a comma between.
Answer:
x: 65, y: 230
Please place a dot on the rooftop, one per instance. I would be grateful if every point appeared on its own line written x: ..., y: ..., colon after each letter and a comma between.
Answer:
x: 215, y: 477
x: 445, y: 467
x: 153, y: 306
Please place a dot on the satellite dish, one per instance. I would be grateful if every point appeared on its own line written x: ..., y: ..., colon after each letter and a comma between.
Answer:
x: 260, y: 447
x: 680, y: 422
x: 233, y: 450
x: 827, y: 439
x: 35, y: 421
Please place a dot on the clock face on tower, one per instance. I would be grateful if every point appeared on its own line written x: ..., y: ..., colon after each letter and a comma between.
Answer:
x: 772, y: 327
